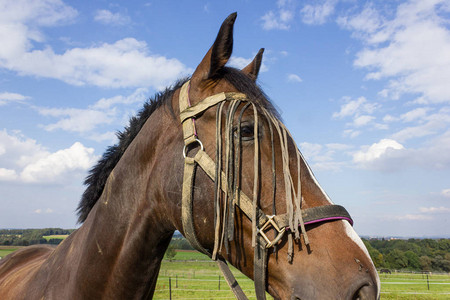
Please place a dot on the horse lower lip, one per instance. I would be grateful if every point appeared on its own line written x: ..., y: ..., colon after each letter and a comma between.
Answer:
x: 363, y: 292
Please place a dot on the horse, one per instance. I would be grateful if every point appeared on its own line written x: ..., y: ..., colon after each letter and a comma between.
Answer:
x: 209, y: 157
x: 387, y: 271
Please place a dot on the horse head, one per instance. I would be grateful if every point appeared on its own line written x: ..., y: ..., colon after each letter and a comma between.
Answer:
x: 250, y: 197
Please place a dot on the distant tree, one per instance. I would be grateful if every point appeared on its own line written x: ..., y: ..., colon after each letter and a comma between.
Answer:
x: 170, y: 252
x: 376, y: 256
x: 413, y: 260
x: 425, y: 263
x: 397, y: 259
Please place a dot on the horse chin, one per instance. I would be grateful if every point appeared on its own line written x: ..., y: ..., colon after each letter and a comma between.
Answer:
x: 360, y: 290
x: 357, y: 287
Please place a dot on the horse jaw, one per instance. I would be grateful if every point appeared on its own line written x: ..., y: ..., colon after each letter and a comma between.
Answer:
x: 351, y: 233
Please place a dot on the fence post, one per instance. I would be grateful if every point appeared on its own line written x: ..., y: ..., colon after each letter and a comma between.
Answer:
x: 219, y: 282
x: 176, y: 280
x: 170, y: 288
x: 428, y: 283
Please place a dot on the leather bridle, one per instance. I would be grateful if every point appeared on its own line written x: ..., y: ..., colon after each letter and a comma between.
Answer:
x: 282, y: 224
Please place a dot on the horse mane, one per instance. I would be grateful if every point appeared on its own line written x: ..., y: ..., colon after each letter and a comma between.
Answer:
x: 98, y: 175
x: 96, y: 180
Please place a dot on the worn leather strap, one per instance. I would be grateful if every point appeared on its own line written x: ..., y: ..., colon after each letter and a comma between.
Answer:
x: 230, y: 279
x: 318, y: 214
x: 260, y: 268
x: 186, y: 205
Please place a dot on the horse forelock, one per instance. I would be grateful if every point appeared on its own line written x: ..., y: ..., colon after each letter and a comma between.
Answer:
x: 244, y: 84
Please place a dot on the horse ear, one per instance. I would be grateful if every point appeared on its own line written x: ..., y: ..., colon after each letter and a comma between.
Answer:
x: 219, y: 53
x: 252, y: 69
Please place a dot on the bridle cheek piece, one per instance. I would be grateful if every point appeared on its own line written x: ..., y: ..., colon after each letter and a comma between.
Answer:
x: 227, y: 183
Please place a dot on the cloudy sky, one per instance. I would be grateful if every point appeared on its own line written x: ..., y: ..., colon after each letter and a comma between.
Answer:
x: 363, y: 86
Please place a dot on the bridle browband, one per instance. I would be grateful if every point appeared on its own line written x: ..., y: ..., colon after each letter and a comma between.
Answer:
x: 227, y: 187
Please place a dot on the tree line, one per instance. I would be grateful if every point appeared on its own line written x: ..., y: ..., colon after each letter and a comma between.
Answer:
x: 411, y: 254
x: 26, y: 237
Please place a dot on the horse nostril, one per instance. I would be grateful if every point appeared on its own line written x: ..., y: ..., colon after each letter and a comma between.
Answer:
x: 365, y: 292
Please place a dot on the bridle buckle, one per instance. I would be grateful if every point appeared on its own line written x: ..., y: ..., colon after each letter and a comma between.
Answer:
x: 271, y: 222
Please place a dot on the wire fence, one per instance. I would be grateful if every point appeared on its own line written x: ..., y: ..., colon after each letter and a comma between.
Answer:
x: 206, y: 284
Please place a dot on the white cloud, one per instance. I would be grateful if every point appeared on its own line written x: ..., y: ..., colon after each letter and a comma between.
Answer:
x: 294, y: 78
x: 107, y: 17
x: 104, y: 111
x: 360, y: 111
x: 389, y: 118
x: 429, y: 125
x: 411, y: 50
x: 20, y: 19
x: 446, y: 193
x: 17, y: 150
x: 434, y: 209
x: 6, y: 97
x: 426, y: 214
x: 77, y: 120
x: 366, y: 22
x: 351, y: 133
x: 139, y: 95
x: 413, y: 217
x: 319, y: 13
x: 390, y: 155
x: 125, y: 63
x: 45, y: 211
x: 7, y: 174
x: 376, y: 151
x: 23, y: 160
x: 109, y: 136
x: 280, y: 19
x: 55, y: 165
x: 355, y: 108
x: 362, y: 120
x: 322, y: 157
x: 412, y: 115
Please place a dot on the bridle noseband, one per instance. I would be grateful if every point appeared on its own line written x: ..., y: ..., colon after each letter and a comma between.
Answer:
x: 261, y: 222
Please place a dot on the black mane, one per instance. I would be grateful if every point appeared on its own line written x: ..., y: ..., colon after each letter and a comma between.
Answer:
x: 98, y: 175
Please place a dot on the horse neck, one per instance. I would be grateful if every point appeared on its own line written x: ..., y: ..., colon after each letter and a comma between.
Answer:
x: 119, y: 248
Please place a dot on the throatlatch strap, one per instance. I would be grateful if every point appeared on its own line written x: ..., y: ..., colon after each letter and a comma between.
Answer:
x: 231, y: 280
x: 260, y: 268
x: 186, y: 206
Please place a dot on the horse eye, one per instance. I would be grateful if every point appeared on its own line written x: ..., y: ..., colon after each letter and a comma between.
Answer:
x: 247, y: 131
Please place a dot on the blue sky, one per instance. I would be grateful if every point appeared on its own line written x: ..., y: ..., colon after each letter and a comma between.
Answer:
x: 363, y: 87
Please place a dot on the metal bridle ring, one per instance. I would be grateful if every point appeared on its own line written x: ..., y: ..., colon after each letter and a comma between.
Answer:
x: 194, y: 141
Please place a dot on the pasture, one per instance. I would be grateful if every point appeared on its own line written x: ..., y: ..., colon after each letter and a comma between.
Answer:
x: 55, y: 237
x: 193, y: 276
x: 5, y: 250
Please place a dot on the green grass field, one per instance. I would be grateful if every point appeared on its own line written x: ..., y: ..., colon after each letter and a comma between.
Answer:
x: 193, y: 275
x: 5, y: 250
x: 415, y: 286
x: 55, y: 236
